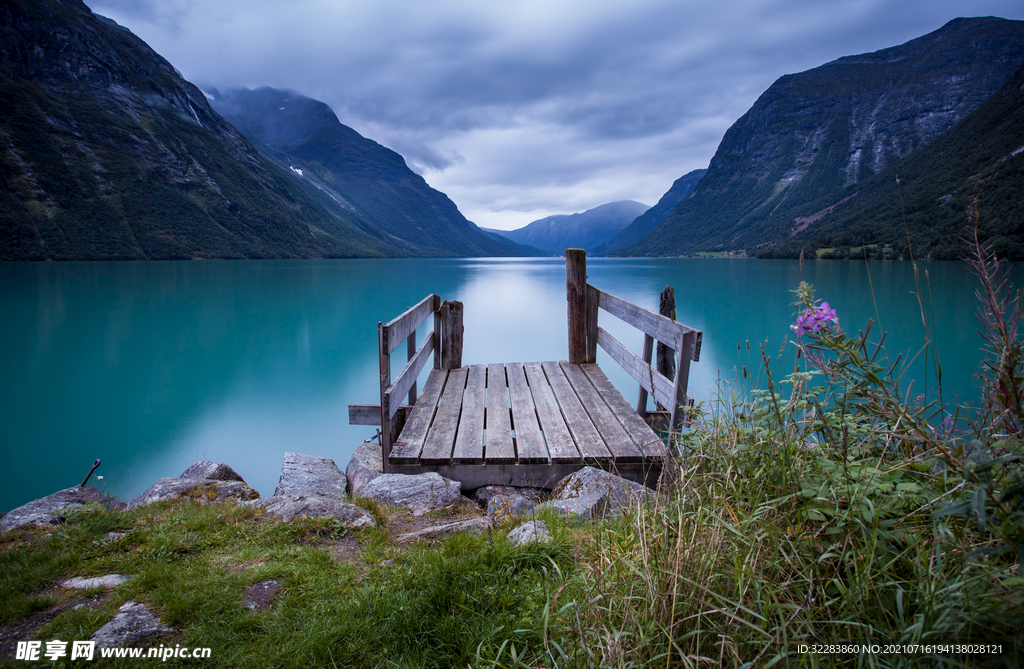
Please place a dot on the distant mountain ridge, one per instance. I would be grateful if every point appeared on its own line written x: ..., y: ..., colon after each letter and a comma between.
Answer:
x: 813, y: 137
x: 585, y: 230
x: 646, y: 222
x: 394, y: 204
x: 110, y: 154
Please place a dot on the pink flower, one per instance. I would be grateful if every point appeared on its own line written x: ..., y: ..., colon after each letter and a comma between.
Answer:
x: 814, y: 319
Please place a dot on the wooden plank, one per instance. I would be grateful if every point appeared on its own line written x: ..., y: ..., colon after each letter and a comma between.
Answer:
x: 661, y: 388
x: 529, y: 440
x: 406, y: 378
x: 452, y: 331
x: 536, y: 476
x: 576, y: 296
x: 498, y: 446
x: 640, y: 432
x: 398, y: 329
x: 561, y: 447
x: 593, y: 297
x: 589, y: 441
x: 410, y: 442
x: 682, y: 378
x: 663, y: 329
x: 619, y: 444
x: 369, y: 414
x: 410, y: 351
x: 641, y: 401
x: 438, y: 446
x: 469, y: 440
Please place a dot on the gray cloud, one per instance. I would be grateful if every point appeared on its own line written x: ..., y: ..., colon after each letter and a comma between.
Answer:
x: 535, y: 107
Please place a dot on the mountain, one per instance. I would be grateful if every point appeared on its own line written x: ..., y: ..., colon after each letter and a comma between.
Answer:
x: 981, y: 159
x: 814, y: 136
x: 586, y: 230
x: 109, y: 154
x: 653, y: 217
x: 304, y: 136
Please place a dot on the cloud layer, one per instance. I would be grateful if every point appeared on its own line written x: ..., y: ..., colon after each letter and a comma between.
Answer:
x: 530, y: 108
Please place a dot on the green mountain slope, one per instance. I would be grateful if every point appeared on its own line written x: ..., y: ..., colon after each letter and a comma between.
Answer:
x: 109, y: 154
x: 357, y: 174
x: 815, y: 135
x: 653, y: 217
x: 981, y: 158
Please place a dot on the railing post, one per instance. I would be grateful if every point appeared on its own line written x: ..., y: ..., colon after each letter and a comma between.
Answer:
x: 666, y: 356
x: 451, y: 334
x: 576, y: 295
x: 385, y: 383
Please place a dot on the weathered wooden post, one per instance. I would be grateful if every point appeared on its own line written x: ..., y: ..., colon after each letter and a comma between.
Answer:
x: 451, y: 334
x: 666, y: 356
x: 576, y: 294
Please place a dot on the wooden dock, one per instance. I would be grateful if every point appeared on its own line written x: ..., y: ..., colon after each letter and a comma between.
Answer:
x: 533, y: 423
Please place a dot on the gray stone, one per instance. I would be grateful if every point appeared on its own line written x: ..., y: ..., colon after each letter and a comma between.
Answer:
x: 108, y: 581
x: 474, y: 525
x: 200, y: 490
x: 50, y: 509
x: 533, y: 531
x: 215, y: 471
x: 259, y: 596
x: 365, y: 465
x: 502, y: 501
x: 419, y: 493
x: 592, y: 492
x: 132, y: 623
x: 288, y: 507
x: 310, y: 475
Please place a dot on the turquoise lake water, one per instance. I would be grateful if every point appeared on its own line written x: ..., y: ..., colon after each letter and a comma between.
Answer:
x: 151, y: 366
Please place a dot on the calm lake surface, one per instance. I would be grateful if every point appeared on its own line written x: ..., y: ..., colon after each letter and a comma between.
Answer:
x: 151, y: 366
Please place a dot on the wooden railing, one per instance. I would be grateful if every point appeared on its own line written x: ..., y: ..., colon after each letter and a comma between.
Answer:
x: 585, y: 335
x: 445, y: 341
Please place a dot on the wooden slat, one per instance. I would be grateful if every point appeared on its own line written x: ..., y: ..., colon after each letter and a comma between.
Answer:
x: 369, y: 414
x: 589, y: 441
x: 561, y: 447
x: 619, y: 444
x: 438, y: 447
x: 640, y: 432
x: 530, y: 447
x: 469, y: 440
x: 406, y: 378
x: 410, y: 442
x: 498, y: 446
x: 663, y: 329
x: 661, y: 388
x: 398, y: 329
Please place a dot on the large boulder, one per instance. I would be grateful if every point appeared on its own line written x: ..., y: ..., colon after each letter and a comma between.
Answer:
x: 132, y: 623
x: 310, y: 475
x: 366, y: 464
x: 51, y: 509
x: 215, y: 471
x: 288, y: 507
x: 502, y: 501
x: 200, y: 490
x: 419, y: 493
x: 592, y: 493
x: 535, y: 531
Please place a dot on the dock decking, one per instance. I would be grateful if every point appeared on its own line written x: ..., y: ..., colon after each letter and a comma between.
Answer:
x: 533, y: 423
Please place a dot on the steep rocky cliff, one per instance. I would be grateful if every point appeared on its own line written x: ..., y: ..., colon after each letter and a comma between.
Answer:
x: 107, y: 153
x: 396, y: 205
x: 815, y: 135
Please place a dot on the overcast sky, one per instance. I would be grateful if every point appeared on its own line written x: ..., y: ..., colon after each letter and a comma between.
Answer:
x: 523, y: 109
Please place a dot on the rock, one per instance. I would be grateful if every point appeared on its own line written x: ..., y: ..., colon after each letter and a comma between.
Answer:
x: 591, y: 493
x: 215, y: 471
x: 259, y: 596
x: 366, y: 464
x: 502, y: 501
x: 108, y: 581
x: 200, y: 490
x: 310, y: 475
x: 475, y: 525
x: 419, y: 493
x: 288, y: 507
x: 132, y: 623
x: 50, y: 509
x: 533, y: 531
